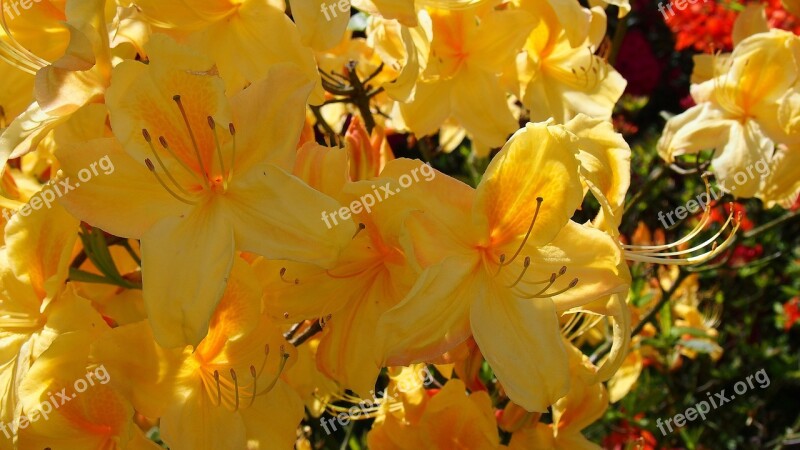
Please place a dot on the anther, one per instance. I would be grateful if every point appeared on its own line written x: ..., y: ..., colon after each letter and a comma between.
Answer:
x: 152, y: 169
x: 146, y: 135
x: 361, y: 226
x: 525, y: 266
x: 219, y: 388
x: 232, y: 131
x: 165, y: 146
x: 283, y: 272
x: 255, y: 380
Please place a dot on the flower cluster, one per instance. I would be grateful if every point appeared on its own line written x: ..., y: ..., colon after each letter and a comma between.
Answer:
x: 198, y: 266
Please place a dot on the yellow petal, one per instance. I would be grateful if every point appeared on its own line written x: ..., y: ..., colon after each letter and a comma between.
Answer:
x: 500, y: 37
x: 538, y: 161
x: 119, y: 177
x: 782, y: 183
x: 402, y: 10
x: 751, y: 21
x: 452, y: 418
x: 486, y: 117
x: 700, y: 127
x: 40, y: 248
x: 244, y: 46
x: 273, y: 419
x: 147, y: 381
x: 589, y: 255
x: 353, y: 329
x: 180, y: 303
x: 622, y: 382
x: 193, y: 423
x: 574, y: 18
x: 438, y: 306
x: 269, y: 117
x: 430, y: 108
x: 276, y: 215
x: 321, y: 26
x: 522, y: 342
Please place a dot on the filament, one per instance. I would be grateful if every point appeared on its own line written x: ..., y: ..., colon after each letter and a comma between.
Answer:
x: 177, y: 99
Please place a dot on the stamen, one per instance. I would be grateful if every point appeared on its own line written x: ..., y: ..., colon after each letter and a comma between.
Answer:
x: 213, y: 127
x: 641, y: 254
x: 571, y: 285
x: 500, y: 264
x: 219, y: 388
x: 165, y: 145
x: 281, y: 366
x: 361, y: 226
x: 235, y: 388
x: 283, y: 272
x: 177, y: 99
x: 525, y: 266
x: 164, y: 185
x: 697, y: 229
x: 15, y: 53
x: 147, y: 138
x: 255, y: 379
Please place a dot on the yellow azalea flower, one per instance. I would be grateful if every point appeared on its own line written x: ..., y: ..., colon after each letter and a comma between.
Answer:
x: 230, y: 381
x: 450, y: 419
x: 73, y: 80
x: 201, y: 176
x: 35, y: 305
x: 585, y: 403
x: 502, y: 263
x: 560, y: 79
x: 404, y: 11
x: 244, y: 38
x: 370, y: 276
x: 95, y: 418
x: 461, y: 77
x: 738, y: 115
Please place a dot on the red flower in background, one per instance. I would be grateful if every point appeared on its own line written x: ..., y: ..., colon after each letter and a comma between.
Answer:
x: 792, y: 311
x: 743, y: 254
x: 707, y: 26
x: 719, y: 214
x: 625, y: 434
